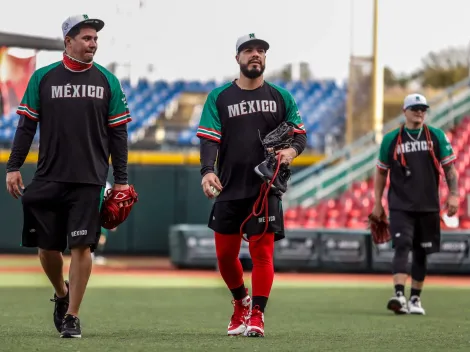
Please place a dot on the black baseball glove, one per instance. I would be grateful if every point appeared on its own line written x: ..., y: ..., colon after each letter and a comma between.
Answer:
x: 279, y: 138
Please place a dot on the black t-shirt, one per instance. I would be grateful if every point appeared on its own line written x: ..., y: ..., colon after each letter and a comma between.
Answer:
x: 74, y: 111
x: 420, y: 190
x: 238, y: 119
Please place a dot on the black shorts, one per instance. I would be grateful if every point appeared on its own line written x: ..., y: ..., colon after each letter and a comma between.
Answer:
x: 57, y: 214
x: 227, y: 217
x: 423, y: 229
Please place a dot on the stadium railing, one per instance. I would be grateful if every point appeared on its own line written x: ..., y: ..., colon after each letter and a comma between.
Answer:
x: 357, y: 160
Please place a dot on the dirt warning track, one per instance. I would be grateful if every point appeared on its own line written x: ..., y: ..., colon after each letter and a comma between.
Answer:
x: 162, y: 268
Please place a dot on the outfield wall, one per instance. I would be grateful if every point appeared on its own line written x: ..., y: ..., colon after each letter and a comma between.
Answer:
x: 340, y: 250
x: 169, y: 193
x: 170, y: 218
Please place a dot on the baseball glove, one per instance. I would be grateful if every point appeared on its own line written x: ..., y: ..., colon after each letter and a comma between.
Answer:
x: 279, y: 138
x: 111, y: 214
x: 379, y: 229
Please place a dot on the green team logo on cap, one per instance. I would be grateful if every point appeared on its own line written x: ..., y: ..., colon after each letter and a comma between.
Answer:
x: 417, y: 98
x: 85, y: 17
x: 252, y: 35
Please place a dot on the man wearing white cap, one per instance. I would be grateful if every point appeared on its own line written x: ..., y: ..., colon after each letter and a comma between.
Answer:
x: 82, y: 115
x: 235, y: 117
x: 414, y: 154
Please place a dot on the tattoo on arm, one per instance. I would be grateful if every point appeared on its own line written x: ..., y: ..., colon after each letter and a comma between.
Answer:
x: 452, y: 179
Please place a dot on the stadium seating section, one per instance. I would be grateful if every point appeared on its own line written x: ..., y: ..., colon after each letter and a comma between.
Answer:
x: 351, y: 208
x: 322, y: 105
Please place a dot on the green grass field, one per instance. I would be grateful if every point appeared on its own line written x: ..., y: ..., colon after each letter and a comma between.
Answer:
x: 147, y: 313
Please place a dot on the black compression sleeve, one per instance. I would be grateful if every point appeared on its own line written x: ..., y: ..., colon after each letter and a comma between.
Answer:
x: 208, y: 150
x: 299, y: 143
x: 118, y: 149
x: 24, y: 136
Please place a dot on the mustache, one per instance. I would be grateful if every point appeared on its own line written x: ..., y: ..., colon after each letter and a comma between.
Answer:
x: 254, y: 60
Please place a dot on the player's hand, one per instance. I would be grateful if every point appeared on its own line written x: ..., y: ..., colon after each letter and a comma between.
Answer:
x: 118, y: 187
x: 287, y: 155
x: 378, y: 210
x: 209, y: 180
x: 452, y: 205
x: 15, y: 184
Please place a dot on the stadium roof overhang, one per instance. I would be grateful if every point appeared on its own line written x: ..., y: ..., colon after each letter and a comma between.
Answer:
x: 30, y: 42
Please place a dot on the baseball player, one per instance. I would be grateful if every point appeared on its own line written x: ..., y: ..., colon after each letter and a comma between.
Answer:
x: 82, y: 115
x: 414, y: 156
x: 234, y: 118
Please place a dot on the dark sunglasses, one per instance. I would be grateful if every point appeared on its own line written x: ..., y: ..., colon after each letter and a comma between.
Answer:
x: 419, y: 108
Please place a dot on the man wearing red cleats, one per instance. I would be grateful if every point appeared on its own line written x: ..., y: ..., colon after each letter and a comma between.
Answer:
x: 235, y: 119
x: 241, y: 312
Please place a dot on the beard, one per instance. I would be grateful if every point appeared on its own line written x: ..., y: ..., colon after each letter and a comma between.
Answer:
x: 252, y: 73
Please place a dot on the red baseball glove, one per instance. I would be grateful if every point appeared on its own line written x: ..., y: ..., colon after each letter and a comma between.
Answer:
x: 111, y: 213
x: 379, y: 229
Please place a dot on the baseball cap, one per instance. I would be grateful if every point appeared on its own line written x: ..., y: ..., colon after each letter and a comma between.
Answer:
x: 414, y: 100
x: 75, y: 20
x: 251, y: 38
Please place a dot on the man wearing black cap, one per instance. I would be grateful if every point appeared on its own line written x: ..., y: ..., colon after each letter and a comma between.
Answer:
x: 82, y: 114
x: 235, y: 117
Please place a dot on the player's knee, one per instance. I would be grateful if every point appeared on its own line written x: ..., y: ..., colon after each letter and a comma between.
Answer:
x: 227, y: 247
x: 400, y: 259
x: 262, y: 249
x: 418, y: 266
x: 48, y: 253
x: 80, y: 250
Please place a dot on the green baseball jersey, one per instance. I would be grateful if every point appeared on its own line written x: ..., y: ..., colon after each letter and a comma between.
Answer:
x: 417, y: 189
x: 237, y: 119
x: 75, y: 110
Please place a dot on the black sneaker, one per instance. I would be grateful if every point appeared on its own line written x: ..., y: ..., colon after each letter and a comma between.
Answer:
x: 266, y: 171
x: 282, y: 178
x: 60, y: 308
x: 71, y: 327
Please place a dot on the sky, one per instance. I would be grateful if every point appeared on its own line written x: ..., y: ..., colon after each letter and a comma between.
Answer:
x: 195, y: 40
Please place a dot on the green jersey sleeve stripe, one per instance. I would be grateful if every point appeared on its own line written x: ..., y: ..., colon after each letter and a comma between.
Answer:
x: 382, y: 165
x: 30, y: 110
x: 448, y: 159
x: 208, y: 135
x: 110, y: 118
x: 210, y: 130
x: 28, y: 113
x: 300, y: 130
x: 119, y: 120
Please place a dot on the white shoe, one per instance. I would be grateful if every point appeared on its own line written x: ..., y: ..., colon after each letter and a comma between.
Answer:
x: 397, y: 304
x: 414, y: 306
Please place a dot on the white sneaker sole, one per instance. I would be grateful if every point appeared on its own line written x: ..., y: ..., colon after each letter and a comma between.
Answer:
x: 237, y: 332
x: 417, y: 311
x: 70, y: 336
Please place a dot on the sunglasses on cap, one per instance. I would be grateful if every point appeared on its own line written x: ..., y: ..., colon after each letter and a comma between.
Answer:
x: 419, y: 108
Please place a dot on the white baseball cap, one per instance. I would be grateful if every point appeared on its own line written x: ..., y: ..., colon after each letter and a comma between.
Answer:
x: 251, y: 38
x: 414, y: 100
x: 75, y: 20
